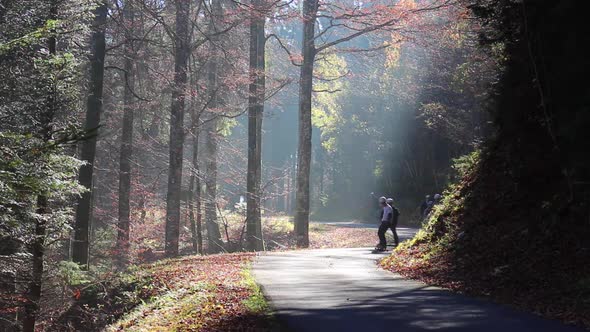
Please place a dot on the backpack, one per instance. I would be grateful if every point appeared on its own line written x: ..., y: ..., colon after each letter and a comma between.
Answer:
x: 395, y: 213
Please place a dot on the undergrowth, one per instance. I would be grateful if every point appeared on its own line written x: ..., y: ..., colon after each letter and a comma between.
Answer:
x: 504, y: 233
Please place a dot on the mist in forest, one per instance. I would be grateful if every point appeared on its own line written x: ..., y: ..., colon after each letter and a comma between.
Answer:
x: 133, y: 131
x: 388, y: 122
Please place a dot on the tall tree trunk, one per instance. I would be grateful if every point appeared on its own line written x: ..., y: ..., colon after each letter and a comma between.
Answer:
x: 199, y: 212
x: 176, y: 128
x: 126, y: 142
x: 215, y: 244
x: 195, y: 179
x: 88, y: 151
x: 38, y: 254
x: 190, y: 207
x: 308, y: 52
x: 194, y: 195
x: 255, y: 112
x: 38, y: 246
x: 286, y: 188
x: 292, y: 183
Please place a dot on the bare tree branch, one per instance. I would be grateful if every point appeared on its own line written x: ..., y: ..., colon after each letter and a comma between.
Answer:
x: 272, y: 35
x: 127, y: 82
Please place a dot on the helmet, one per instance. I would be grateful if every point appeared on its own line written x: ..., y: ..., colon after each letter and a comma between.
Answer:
x: 437, y: 196
x: 389, y: 200
x: 382, y: 200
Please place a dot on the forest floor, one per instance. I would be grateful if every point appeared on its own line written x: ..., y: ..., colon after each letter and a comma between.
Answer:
x: 347, y: 234
x: 191, y: 293
x: 196, y: 293
x: 277, y: 232
x: 218, y: 292
x: 334, y: 287
x: 202, y: 293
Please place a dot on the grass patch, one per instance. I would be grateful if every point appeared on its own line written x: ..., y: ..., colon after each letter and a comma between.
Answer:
x: 205, y: 293
x: 256, y: 302
x: 165, y: 313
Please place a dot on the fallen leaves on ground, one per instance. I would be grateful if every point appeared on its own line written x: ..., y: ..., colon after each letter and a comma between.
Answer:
x: 197, y: 293
x: 203, y: 293
x: 323, y: 236
x: 510, y: 250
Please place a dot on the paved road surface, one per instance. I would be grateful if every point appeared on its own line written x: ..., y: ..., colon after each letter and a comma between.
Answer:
x: 343, y: 290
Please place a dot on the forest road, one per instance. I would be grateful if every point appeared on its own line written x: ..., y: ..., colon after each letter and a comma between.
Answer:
x: 343, y: 290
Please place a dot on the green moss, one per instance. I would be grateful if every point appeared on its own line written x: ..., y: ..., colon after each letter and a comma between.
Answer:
x: 256, y: 303
x: 439, y: 231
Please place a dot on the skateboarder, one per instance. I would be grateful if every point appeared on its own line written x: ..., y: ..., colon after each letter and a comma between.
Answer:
x: 386, y: 218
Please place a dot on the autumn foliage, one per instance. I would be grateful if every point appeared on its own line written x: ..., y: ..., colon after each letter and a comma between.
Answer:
x: 196, y: 293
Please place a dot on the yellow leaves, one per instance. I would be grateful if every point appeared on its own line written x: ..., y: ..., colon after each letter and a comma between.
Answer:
x: 329, y: 144
x: 392, y: 55
x: 454, y: 33
x: 326, y: 104
x: 407, y: 5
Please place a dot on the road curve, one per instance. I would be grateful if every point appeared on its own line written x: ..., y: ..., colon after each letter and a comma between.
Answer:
x: 343, y: 290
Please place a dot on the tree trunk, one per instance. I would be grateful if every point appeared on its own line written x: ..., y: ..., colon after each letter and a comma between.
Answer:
x: 38, y: 253
x: 308, y: 52
x: 199, y: 213
x: 38, y: 245
x: 292, y: 183
x: 176, y: 128
x: 284, y: 188
x: 190, y: 206
x: 195, y: 180
x: 198, y: 190
x: 255, y: 112
x: 215, y: 244
x: 194, y: 190
x: 88, y: 151
x: 126, y: 144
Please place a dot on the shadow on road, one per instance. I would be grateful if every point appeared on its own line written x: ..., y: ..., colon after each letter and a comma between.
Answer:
x: 343, y: 290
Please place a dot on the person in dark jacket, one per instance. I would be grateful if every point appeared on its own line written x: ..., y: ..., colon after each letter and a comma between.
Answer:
x: 428, y: 206
x: 424, y: 205
x: 386, y: 217
x: 394, y: 219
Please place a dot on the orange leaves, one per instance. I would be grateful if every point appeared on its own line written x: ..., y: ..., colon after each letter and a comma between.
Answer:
x: 202, y: 293
x: 77, y: 294
x: 342, y: 237
x: 407, y: 5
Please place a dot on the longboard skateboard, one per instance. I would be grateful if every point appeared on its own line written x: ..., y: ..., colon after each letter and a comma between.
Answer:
x: 377, y: 250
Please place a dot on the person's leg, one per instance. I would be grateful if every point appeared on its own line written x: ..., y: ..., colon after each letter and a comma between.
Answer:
x: 381, y: 233
x: 395, y: 237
